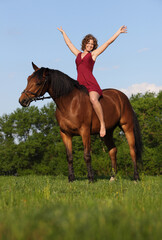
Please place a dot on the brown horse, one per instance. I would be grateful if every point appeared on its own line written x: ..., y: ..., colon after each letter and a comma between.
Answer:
x: 76, y: 116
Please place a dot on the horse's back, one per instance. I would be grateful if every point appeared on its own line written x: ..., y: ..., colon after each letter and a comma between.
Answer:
x: 126, y: 110
x: 115, y: 97
x: 113, y: 93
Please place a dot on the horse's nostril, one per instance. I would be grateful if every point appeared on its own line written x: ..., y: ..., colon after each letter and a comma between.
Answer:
x: 23, y: 102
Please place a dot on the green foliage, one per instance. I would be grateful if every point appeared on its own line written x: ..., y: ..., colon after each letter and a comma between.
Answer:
x: 30, y: 142
x: 148, y: 108
x: 45, y: 207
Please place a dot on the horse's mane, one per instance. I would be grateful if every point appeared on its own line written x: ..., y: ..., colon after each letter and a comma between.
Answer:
x: 61, y: 83
x: 39, y: 73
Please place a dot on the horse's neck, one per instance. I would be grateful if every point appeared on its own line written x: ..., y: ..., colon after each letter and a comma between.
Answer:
x: 64, y: 101
x: 51, y: 93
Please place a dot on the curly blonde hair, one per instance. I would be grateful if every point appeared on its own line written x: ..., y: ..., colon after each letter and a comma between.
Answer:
x: 86, y: 39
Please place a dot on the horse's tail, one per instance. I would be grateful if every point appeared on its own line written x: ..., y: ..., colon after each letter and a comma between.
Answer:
x: 138, y: 138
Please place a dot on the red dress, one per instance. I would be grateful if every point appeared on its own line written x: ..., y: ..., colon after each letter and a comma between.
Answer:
x: 85, y: 76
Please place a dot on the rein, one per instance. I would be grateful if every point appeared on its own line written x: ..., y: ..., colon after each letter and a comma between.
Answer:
x: 36, y: 98
x: 41, y: 98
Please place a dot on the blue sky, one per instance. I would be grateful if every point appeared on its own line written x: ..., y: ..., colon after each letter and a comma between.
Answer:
x: 28, y: 32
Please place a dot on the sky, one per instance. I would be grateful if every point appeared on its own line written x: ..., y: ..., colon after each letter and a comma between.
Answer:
x: 28, y: 33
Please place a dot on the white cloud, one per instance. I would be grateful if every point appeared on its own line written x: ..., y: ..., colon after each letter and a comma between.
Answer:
x: 102, y: 69
x: 57, y: 59
x: 143, y: 50
x: 141, y: 88
x: 115, y: 67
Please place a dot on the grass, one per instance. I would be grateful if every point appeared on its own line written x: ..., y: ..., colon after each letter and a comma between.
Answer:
x: 45, y: 207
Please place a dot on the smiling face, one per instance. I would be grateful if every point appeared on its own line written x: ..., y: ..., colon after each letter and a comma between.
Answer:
x: 89, y: 46
x: 89, y: 43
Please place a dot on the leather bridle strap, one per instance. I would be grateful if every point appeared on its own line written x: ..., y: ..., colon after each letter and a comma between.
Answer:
x: 35, y: 94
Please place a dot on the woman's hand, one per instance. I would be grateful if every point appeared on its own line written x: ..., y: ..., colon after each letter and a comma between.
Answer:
x: 98, y: 51
x: 68, y: 42
x: 123, y: 29
x: 60, y: 29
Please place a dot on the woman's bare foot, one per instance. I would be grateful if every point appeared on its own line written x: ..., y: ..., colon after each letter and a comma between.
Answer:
x: 102, y: 131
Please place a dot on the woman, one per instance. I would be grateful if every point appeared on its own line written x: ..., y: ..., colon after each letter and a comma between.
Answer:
x: 85, y: 61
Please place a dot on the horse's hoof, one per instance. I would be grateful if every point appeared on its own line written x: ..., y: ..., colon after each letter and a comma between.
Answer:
x: 91, y: 179
x: 71, y: 178
x: 112, y: 179
x: 136, y: 178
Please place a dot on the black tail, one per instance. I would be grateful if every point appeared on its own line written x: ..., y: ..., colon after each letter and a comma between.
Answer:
x: 138, y: 138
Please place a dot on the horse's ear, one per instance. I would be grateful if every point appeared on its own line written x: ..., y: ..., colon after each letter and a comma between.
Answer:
x: 35, y: 67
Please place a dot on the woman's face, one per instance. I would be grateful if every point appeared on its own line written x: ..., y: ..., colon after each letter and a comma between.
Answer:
x: 90, y: 45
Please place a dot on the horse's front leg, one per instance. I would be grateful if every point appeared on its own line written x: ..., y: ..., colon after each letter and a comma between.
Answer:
x: 67, y: 139
x: 86, y: 138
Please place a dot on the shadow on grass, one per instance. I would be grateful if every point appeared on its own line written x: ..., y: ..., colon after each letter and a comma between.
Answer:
x: 106, y: 177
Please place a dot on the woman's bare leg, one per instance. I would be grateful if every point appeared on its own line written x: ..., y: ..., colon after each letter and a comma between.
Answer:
x: 94, y: 96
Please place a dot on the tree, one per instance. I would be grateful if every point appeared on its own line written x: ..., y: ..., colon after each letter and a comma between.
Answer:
x: 148, y: 109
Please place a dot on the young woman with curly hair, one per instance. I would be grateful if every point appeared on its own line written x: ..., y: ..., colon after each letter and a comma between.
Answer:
x: 85, y: 61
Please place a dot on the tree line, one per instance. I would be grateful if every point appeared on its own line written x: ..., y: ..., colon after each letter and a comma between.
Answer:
x: 30, y: 142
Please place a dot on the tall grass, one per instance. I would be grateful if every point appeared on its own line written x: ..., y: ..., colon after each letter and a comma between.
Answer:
x: 45, y: 207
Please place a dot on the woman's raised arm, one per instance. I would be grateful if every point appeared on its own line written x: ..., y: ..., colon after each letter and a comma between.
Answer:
x: 68, y: 42
x: 102, y: 48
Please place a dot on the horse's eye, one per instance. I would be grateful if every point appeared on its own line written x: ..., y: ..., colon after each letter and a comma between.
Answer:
x: 38, y: 84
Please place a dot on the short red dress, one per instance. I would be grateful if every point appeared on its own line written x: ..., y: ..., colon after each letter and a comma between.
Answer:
x: 85, y: 76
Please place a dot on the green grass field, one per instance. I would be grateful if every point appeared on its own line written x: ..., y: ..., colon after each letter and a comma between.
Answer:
x: 45, y: 207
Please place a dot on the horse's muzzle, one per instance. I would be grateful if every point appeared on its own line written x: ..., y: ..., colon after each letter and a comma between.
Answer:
x: 24, y: 102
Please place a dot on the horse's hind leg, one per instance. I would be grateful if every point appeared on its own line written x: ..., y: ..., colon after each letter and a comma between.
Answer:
x: 129, y: 133
x: 85, y: 134
x: 68, y: 145
x: 108, y: 139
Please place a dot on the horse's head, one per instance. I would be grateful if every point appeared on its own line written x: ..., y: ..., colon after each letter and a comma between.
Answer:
x: 36, y: 86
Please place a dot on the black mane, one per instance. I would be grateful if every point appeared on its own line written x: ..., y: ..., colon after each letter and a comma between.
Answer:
x: 39, y: 73
x: 62, y: 84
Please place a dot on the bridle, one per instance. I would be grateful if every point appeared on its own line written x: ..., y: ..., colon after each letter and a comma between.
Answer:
x: 39, y: 97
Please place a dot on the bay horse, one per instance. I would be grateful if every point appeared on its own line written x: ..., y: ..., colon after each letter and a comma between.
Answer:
x: 76, y: 116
